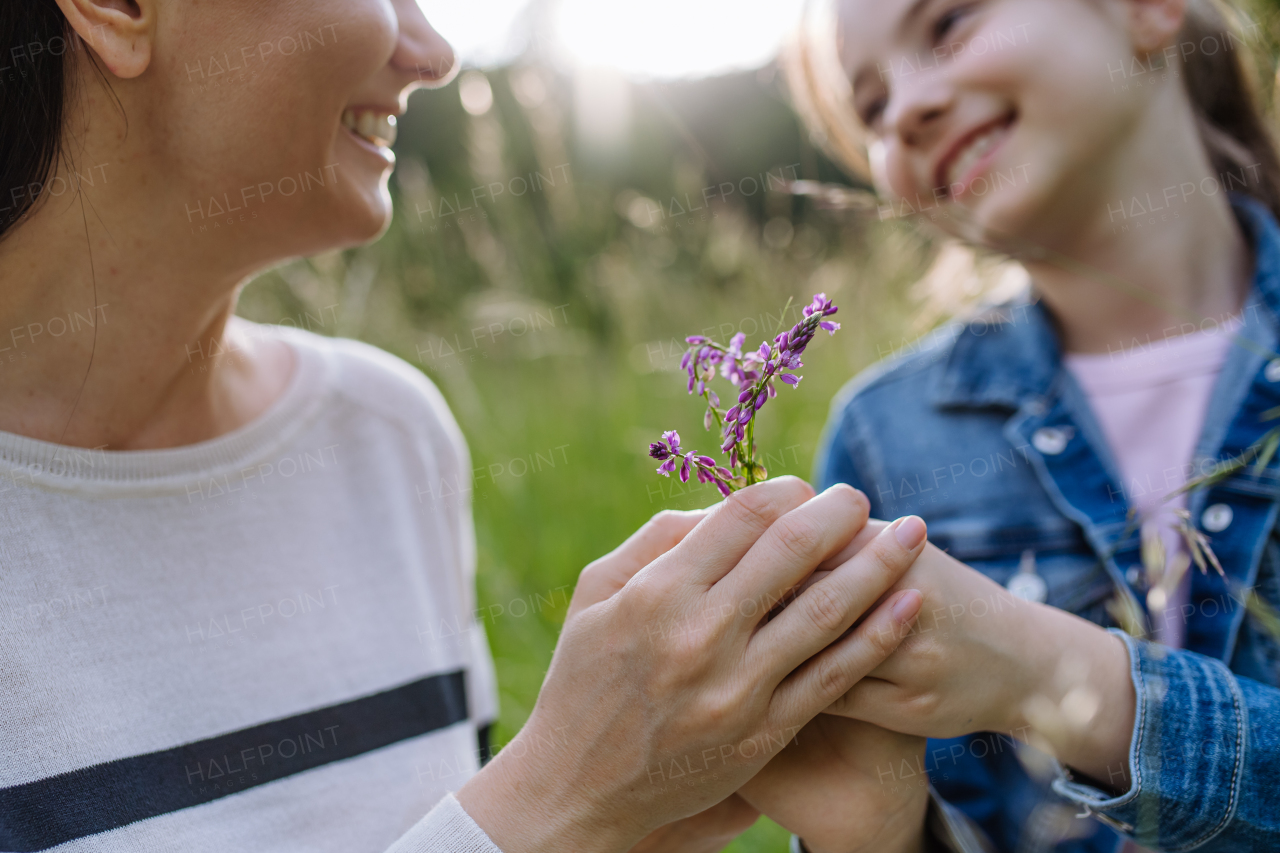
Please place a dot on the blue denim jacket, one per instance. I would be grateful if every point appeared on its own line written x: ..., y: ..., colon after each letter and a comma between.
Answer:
x: 981, y: 431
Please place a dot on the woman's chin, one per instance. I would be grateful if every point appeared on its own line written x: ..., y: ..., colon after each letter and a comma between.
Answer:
x: 364, y: 218
x: 365, y: 199
x: 377, y: 218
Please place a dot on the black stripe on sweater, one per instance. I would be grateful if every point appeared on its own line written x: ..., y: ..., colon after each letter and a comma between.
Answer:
x: 41, y: 814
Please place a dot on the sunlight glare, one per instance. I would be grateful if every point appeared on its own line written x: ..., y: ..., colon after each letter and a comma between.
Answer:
x: 661, y: 39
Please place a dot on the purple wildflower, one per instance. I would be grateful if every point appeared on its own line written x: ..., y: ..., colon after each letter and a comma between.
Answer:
x: 667, y: 451
x: 755, y: 373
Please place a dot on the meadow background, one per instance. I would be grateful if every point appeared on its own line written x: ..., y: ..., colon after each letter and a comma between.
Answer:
x: 556, y: 237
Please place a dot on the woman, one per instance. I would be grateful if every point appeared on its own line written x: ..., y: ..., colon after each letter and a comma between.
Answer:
x: 217, y: 577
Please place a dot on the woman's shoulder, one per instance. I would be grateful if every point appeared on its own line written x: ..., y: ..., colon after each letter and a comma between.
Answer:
x: 377, y: 384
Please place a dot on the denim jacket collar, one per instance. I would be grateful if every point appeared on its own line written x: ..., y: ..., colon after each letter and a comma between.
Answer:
x: 1011, y: 355
x: 1001, y: 359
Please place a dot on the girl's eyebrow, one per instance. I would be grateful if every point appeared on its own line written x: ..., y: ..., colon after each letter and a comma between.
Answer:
x: 916, y: 10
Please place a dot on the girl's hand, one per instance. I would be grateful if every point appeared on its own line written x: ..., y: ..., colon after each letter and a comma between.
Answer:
x: 979, y: 659
x: 663, y: 698
x: 846, y: 786
x: 705, y: 832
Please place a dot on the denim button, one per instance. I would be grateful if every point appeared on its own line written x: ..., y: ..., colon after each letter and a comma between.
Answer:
x: 1216, y: 518
x: 1051, y: 440
x: 1025, y: 583
x: 1272, y: 373
x: 1028, y: 587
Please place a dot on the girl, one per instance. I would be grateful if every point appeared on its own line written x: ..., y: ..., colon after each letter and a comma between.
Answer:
x: 221, y: 594
x: 1114, y: 149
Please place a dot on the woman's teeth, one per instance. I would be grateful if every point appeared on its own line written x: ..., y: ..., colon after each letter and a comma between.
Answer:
x: 378, y: 128
x: 973, y: 152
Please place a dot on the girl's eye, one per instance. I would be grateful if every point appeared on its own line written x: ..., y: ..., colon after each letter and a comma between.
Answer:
x: 947, y: 20
x: 872, y: 112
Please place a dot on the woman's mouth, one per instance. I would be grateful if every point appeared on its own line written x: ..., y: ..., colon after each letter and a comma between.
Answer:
x: 972, y: 156
x: 377, y: 127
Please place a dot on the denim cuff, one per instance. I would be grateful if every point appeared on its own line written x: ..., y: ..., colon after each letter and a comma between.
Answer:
x: 947, y: 827
x: 1186, y: 756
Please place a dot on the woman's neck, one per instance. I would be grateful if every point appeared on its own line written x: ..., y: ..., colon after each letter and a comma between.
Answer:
x: 112, y: 334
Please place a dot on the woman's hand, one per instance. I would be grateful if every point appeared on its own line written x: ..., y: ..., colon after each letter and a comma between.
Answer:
x: 706, y: 832
x: 663, y: 698
x: 846, y: 786
x: 979, y: 659
x: 711, y: 830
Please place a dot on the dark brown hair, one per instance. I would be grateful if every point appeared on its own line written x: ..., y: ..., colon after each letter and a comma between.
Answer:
x: 1221, y: 78
x: 35, y: 38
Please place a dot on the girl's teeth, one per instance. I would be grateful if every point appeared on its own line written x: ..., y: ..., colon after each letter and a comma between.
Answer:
x: 974, y: 152
x: 378, y: 128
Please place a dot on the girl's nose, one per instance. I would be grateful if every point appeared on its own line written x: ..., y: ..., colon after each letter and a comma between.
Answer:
x: 421, y: 51
x: 916, y: 113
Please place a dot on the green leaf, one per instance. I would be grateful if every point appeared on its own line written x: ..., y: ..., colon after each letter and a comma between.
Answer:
x: 1271, y: 442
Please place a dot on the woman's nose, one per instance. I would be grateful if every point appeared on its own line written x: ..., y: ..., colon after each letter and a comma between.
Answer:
x: 421, y: 51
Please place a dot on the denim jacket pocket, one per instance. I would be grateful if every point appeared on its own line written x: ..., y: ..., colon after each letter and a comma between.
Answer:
x: 1074, y: 578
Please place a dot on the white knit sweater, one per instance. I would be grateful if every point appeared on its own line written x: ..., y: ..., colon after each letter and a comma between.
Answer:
x: 239, y: 645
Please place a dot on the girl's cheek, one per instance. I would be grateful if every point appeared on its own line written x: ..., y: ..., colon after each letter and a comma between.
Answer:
x: 889, y: 170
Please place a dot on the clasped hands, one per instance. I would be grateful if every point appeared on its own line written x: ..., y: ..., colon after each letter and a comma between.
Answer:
x: 682, y: 699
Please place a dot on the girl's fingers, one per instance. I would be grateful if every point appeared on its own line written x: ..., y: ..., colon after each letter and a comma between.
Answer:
x: 832, y: 673
x: 871, y: 700
x: 824, y: 611
x: 789, y: 551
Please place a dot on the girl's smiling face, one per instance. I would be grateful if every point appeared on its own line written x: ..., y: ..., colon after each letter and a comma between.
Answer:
x: 1022, y: 112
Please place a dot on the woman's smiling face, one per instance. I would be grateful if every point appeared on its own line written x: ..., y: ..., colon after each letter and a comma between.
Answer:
x: 285, y: 110
x: 1008, y: 109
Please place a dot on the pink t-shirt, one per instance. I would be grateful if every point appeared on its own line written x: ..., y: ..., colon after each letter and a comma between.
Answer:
x: 1150, y: 401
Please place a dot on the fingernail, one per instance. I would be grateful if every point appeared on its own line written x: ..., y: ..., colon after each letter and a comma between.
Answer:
x: 910, y: 531
x: 907, y: 605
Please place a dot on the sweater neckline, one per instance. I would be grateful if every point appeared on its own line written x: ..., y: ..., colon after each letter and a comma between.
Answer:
x: 29, y: 462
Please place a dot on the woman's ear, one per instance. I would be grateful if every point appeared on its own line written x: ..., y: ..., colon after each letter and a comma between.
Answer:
x: 118, y: 31
x: 1155, y: 24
